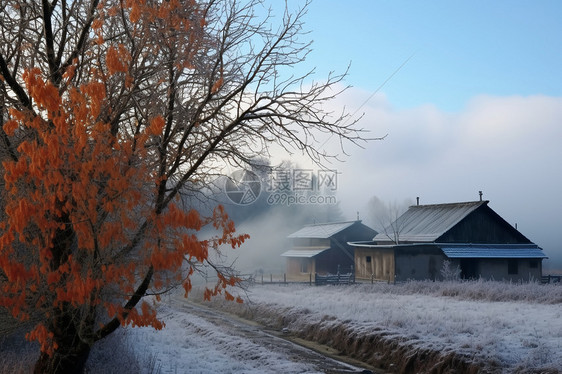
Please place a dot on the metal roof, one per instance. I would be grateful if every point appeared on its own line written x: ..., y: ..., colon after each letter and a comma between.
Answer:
x: 322, y: 230
x: 426, y: 223
x: 304, y: 251
x: 492, y: 251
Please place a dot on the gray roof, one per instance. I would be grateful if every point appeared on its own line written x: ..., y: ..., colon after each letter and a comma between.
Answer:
x: 322, y: 230
x: 426, y: 223
x: 492, y: 251
x: 304, y: 251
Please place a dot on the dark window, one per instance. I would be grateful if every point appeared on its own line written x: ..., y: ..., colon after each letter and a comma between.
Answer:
x: 533, y: 264
x: 368, y: 259
x: 304, y: 266
x: 469, y: 268
x: 512, y: 267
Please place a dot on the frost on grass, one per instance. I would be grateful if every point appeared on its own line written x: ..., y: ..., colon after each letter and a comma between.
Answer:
x: 189, y: 343
x: 512, y: 326
x: 515, y: 327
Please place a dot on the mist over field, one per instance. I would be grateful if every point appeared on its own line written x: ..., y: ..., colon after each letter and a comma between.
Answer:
x: 507, y: 147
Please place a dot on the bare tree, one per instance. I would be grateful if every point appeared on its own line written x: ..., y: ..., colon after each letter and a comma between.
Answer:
x: 388, y: 217
x: 110, y: 111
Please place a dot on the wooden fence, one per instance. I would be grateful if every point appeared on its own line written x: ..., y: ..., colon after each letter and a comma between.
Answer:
x: 313, y: 279
x: 347, y: 278
x: 551, y: 279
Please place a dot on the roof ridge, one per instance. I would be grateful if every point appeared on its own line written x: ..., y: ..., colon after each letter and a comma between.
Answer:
x: 330, y: 223
x: 477, y: 202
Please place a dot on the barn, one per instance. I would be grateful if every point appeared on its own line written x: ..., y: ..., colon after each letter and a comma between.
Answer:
x: 323, y: 248
x: 470, y: 236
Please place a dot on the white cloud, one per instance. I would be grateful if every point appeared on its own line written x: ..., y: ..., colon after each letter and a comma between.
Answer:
x: 509, y: 147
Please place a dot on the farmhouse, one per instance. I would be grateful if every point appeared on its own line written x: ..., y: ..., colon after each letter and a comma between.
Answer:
x: 469, y: 235
x: 323, y: 248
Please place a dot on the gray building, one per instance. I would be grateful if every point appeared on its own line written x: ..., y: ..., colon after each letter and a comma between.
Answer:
x: 469, y: 235
x: 323, y: 248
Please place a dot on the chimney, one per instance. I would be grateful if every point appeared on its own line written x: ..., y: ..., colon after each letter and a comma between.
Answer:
x: 418, y: 200
x: 480, y: 193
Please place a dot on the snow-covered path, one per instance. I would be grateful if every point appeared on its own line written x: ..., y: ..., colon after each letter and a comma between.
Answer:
x: 200, y: 340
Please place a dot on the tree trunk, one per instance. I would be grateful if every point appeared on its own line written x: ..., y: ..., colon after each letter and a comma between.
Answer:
x: 70, y: 325
x: 65, y: 360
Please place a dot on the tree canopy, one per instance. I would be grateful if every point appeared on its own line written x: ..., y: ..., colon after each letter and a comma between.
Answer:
x: 110, y: 112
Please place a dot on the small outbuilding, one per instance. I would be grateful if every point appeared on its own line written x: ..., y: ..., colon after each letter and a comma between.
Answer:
x: 323, y: 248
x: 470, y: 236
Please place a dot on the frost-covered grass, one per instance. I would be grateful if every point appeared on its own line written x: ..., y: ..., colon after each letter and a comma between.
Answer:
x: 16, y: 355
x: 191, y: 344
x: 481, y: 290
x: 115, y: 354
x: 514, y: 326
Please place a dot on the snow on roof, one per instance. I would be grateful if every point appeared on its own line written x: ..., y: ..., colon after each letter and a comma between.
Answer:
x: 426, y: 223
x: 322, y: 230
x: 307, y: 252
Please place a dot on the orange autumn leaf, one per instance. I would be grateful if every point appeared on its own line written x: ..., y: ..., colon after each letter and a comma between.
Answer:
x: 10, y: 127
x: 83, y: 219
x: 217, y: 85
x: 97, y: 24
x: 156, y: 126
x: 117, y: 59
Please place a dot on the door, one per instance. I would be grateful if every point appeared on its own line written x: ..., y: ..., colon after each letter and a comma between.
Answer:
x: 469, y: 268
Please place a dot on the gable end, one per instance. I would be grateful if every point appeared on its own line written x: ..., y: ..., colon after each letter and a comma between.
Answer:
x: 483, y: 226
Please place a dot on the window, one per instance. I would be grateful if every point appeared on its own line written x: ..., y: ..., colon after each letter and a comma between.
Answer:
x: 368, y: 258
x: 533, y: 264
x: 304, y: 266
x: 512, y: 267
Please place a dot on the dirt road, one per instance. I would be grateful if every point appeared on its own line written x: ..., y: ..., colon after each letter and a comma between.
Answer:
x: 252, y: 343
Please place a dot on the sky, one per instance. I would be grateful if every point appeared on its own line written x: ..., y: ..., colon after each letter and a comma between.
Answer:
x: 468, y: 95
x: 456, y: 50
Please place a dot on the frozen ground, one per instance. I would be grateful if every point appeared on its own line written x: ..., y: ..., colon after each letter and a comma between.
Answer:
x: 201, y: 341
x: 524, y: 332
x: 518, y: 327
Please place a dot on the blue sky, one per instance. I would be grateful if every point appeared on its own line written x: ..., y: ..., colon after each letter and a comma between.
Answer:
x: 477, y: 107
x: 459, y: 49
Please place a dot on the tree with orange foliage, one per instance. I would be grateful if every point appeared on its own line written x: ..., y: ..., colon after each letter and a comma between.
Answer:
x: 111, y: 110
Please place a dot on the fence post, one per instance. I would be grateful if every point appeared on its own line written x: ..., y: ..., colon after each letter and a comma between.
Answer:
x: 310, y: 279
x: 352, y: 274
x: 372, y: 278
x: 285, y: 278
x: 271, y: 278
x: 261, y: 278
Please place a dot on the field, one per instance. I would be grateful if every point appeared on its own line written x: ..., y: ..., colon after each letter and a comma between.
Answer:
x: 426, y: 326
x: 488, y: 327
